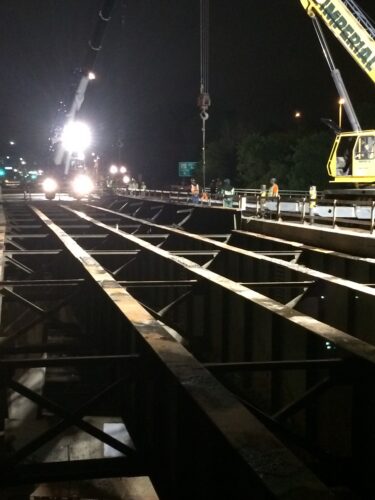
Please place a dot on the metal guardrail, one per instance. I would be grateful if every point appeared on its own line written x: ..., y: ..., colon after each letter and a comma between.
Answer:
x: 284, y: 193
x: 292, y: 205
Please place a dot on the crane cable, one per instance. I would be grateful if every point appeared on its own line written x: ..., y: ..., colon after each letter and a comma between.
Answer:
x: 204, y: 100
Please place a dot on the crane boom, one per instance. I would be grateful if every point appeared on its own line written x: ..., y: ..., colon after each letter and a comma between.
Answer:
x: 352, y: 158
x: 351, y: 27
x: 337, y: 78
x: 104, y: 15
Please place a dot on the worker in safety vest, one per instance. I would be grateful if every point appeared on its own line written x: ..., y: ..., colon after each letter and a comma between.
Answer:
x: 273, y: 191
x: 194, y: 189
x: 204, y: 197
x: 228, y: 193
x: 262, y: 198
x: 312, y: 203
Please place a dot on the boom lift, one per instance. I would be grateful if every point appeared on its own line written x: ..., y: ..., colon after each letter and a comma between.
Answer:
x: 352, y: 158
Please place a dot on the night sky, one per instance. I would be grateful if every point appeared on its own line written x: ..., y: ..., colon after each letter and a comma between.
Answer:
x: 265, y: 62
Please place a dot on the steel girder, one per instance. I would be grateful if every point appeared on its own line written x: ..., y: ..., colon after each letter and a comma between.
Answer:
x: 155, y: 421
x: 211, y: 340
x: 38, y: 318
x: 230, y: 333
x: 212, y: 337
x: 317, y: 299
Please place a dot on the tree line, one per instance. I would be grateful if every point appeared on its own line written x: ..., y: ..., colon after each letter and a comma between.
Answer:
x: 296, y: 158
x: 251, y: 159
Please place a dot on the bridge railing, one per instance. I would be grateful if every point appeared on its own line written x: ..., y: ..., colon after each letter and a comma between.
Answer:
x: 182, y: 194
x: 290, y: 205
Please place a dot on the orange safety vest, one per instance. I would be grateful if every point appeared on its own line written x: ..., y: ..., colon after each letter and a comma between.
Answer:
x: 273, y: 190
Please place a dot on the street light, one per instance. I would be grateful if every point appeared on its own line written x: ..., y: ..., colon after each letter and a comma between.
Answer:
x: 298, y: 115
x: 341, y: 103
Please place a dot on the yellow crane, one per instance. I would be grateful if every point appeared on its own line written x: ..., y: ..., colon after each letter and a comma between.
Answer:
x: 352, y: 158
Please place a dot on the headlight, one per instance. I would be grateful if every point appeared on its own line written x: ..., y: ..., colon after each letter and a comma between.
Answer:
x: 49, y: 185
x: 82, y: 185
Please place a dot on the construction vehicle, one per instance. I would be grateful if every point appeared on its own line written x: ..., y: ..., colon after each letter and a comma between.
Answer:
x: 86, y: 75
x: 352, y: 159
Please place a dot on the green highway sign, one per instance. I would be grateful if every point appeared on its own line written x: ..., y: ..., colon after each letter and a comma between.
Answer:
x: 187, y: 168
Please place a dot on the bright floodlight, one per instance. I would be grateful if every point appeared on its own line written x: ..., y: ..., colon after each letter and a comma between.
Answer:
x: 126, y: 179
x: 76, y: 137
x: 49, y: 185
x: 91, y: 75
x: 82, y: 185
x: 122, y: 170
x: 113, y: 169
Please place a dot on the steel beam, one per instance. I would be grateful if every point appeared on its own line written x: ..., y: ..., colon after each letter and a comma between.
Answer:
x: 157, y: 283
x: 76, y: 470
x: 31, y: 252
x: 126, y: 359
x: 11, y: 333
x: 310, y: 325
x: 305, y: 364
x: 278, y: 284
x: 274, y: 469
x: 336, y: 287
x: 19, y: 265
x: 69, y: 419
x: 42, y: 283
x: 304, y: 400
x: 6, y: 292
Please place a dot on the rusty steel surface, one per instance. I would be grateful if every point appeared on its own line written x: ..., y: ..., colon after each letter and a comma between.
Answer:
x: 264, y: 258
x: 281, y: 473
x: 340, y: 338
x: 353, y: 241
x: 222, y: 374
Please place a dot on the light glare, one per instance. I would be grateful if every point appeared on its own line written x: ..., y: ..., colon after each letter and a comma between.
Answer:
x: 49, y: 185
x: 83, y: 185
x: 76, y: 137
